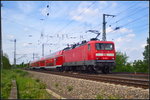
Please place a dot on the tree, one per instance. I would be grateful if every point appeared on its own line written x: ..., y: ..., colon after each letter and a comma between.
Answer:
x: 146, y: 52
x: 146, y: 57
x: 142, y: 66
x: 5, y: 61
x: 121, y: 61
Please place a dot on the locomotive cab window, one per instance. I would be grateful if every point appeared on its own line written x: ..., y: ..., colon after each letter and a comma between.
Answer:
x: 104, y: 46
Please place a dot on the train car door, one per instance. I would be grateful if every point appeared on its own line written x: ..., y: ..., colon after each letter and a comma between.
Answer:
x: 89, y: 52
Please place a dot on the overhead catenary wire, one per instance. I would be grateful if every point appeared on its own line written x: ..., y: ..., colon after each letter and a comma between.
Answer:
x: 134, y: 5
x: 56, y: 34
x: 121, y: 19
x: 132, y: 14
x: 102, y: 9
x: 118, y: 14
x: 137, y: 19
x: 73, y: 20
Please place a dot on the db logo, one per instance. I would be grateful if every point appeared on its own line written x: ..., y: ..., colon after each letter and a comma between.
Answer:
x: 104, y: 54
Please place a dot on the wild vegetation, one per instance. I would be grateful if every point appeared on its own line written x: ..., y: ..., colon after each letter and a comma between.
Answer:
x: 137, y: 66
x: 27, y: 87
x: 103, y: 96
x: 30, y: 88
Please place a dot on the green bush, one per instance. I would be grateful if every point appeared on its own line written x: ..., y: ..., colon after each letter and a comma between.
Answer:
x: 56, y: 84
x: 140, y: 66
x: 5, y: 62
x: 28, y: 88
x: 98, y: 96
x: 20, y: 72
x: 37, y: 80
x: 5, y: 84
x: 69, y: 88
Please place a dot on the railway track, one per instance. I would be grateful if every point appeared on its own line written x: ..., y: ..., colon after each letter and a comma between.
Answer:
x: 142, y: 83
x: 138, y: 76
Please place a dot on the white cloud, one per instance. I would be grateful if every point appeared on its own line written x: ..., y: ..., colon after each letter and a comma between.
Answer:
x: 126, y: 38
x: 86, y: 13
x: 26, y: 6
x: 143, y: 45
x: 25, y: 44
x: 114, y: 4
x: 44, y: 11
x: 130, y: 35
x: 109, y: 29
x: 124, y: 30
x: 10, y: 36
x: 18, y: 17
x: 78, y: 18
x: 26, y: 29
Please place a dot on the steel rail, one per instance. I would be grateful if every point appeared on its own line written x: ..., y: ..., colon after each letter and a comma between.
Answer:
x: 142, y: 83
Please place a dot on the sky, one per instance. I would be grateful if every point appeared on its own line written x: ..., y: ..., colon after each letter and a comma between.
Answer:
x: 58, y: 23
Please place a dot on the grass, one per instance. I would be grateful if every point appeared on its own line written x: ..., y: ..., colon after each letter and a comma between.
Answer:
x: 6, y: 83
x: 69, y: 88
x: 56, y: 85
x: 28, y: 88
x: 98, y: 96
x: 101, y: 96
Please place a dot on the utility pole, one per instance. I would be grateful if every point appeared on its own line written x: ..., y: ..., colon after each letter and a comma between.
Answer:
x: 43, y: 49
x: 1, y: 49
x: 104, y: 26
x: 14, y: 53
x: 33, y: 56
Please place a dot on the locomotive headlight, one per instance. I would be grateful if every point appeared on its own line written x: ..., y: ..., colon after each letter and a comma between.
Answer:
x: 110, y: 54
x: 99, y: 54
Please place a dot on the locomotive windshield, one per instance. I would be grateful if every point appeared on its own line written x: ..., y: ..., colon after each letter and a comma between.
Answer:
x: 104, y: 46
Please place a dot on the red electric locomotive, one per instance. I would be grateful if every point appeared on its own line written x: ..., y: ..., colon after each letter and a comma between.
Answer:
x: 93, y: 55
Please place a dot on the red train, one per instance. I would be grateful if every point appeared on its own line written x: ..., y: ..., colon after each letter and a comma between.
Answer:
x: 93, y: 55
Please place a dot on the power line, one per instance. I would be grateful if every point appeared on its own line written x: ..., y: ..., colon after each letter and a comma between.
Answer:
x: 131, y: 14
x: 21, y: 24
x: 137, y: 19
x: 134, y: 5
x: 127, y: 8
x: 128, y: 16
x: 59, y: 24
x: 73, y: 20
x: 134, y: 20
x: 140, y: 25
x: 93, y: 15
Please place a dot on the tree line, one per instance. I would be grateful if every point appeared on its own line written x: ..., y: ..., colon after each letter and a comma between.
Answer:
x: 137, y: 66
x: 121, y: 62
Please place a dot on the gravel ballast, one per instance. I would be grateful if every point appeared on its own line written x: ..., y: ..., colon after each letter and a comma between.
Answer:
x: 75, y: 88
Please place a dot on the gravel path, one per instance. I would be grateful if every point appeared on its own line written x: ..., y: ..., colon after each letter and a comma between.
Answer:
x: 74, y: 88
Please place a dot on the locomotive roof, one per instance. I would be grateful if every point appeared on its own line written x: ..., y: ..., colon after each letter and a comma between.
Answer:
x: 100, y: 42
x: 68, y: 48
x: 85, y: 42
